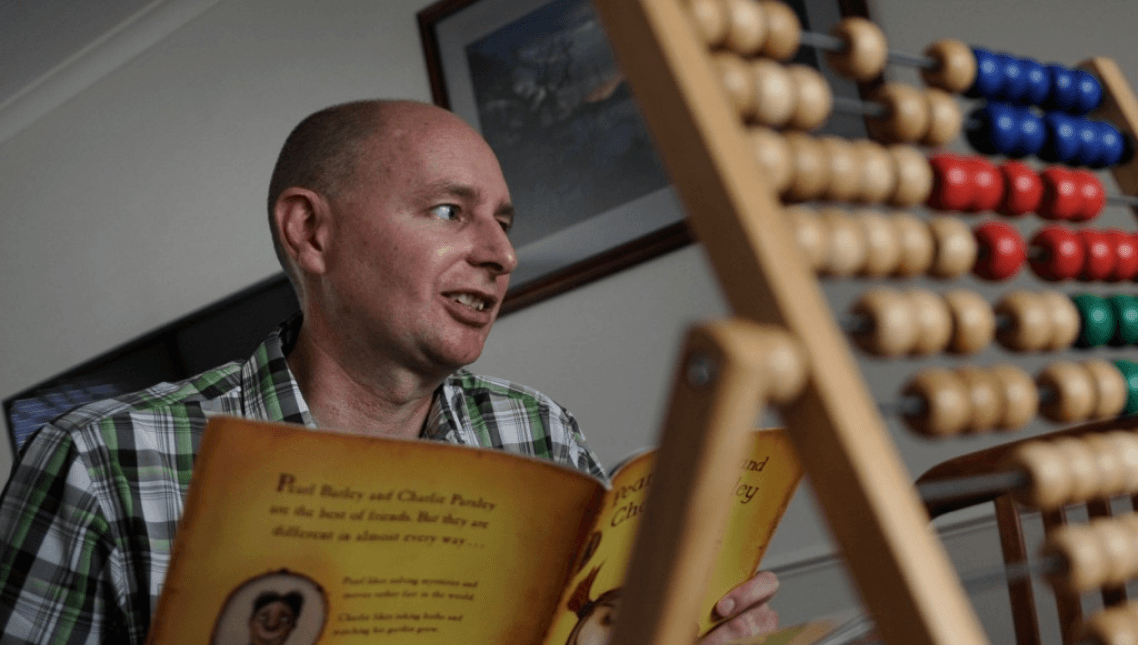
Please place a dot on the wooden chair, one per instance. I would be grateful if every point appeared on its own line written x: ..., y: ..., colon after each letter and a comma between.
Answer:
x: 1011, y: 531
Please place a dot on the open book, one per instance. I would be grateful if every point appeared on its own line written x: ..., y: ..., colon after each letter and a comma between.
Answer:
x: 318, y: 536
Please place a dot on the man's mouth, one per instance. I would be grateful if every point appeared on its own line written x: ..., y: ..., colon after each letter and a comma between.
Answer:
x: 471, y: 300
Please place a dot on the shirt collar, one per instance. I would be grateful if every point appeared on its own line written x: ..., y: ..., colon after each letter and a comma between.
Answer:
x: 268, y: 389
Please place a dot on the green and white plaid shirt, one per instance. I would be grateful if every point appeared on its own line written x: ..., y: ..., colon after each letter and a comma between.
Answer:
x: 89, y: 516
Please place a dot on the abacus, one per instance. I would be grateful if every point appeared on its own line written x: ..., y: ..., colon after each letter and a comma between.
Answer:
x: 732, y: 122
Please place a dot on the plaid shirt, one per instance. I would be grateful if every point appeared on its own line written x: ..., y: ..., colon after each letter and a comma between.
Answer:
x: 89, y: 516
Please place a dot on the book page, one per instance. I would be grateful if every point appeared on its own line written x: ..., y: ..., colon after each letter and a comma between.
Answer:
x: 767, y: 479
x: 346, y: 539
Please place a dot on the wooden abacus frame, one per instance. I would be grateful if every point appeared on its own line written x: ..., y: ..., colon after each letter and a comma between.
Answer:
x: 898, y: 564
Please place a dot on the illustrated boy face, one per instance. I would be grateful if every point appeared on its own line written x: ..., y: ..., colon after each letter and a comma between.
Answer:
x: 596, y: 627
x: 271, y: 624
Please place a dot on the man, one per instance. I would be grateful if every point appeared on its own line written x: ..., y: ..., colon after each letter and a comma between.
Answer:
x: 391, y: 220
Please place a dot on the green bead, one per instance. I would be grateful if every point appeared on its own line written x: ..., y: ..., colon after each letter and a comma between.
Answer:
x: 1129, y: 371
x: 1126, y: 314
x: 1097, y: 317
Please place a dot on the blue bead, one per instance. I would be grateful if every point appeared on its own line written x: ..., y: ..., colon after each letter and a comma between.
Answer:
x: 1013, y: 81
x: 1032, y: 134
x: 1088, y: 92
x: 1063, y: 94
x: 1005, y: 122
x: 989, y: 75
x: 1038, y: 82
x: 1062, y: 139
x: 1112, y: 144
x: 1090, y: 150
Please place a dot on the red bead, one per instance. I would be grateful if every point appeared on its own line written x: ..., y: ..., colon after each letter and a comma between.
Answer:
x: 1057, y: 253
x: 987, y: 185
x: 1061, y: 198
x: 1125, y: 255
x: 1099, y: 263
x: 952, y: 188
x: 1023, y: 189
x: 1001, y: 251
x: 1091, y: 195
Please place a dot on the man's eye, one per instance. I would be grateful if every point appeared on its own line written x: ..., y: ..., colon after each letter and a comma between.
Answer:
x: 445, y: 211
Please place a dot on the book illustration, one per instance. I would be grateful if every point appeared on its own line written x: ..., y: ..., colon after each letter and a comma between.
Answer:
x: 272, y: 609
x: 418, y: 542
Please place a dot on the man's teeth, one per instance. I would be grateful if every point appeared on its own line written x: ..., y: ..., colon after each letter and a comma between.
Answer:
x: 472, y: 301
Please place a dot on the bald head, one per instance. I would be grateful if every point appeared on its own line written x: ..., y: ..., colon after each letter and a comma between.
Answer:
x: 325, y: 151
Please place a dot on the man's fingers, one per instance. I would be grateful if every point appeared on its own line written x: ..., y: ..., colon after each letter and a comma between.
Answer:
x: 752, y: 592
x: 752, y: 622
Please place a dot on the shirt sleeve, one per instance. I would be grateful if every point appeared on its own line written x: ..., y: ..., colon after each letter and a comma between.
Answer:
x: 55, y: 551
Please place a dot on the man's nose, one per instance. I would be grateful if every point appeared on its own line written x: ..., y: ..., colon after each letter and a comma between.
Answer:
x: 493, y: 248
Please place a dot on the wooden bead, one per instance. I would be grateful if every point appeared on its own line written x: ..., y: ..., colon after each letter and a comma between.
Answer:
x: 1073, y: 395
x: 774, y: 156
x: 945, y: 118
x: 1118, y: 547
x: 784, y: 366
x: 1065, y: 320
x: 893, y: 331
x: 1086, y: 566
x: 1113, y: 477
x: 814, y: 101
x: 746, y: 27
x: 973, y: 323
x: 882, y: 248
x: 1021, y: 398
x: 934, y: 322
x: 844, y: 171
x: 711, y: 20
x: 954, y: 247
x: 1127, y: 446
x: 1030, y: 327
x: 916, y: 245
x: 784, y: 32
x: 957, y: 66
x: 1082, y: 468
x: 946, y: 399
x: 1046, y: 470
x: 809, y: 176
x: 737, y: 79
x: 914, y: 176
x: 863, y: 57
x: 908, y: 116
x: 878, y: 173
x: 985, y: 396
x: 811, y: 234
x: 1109, y: 387
x: 1111, y: 626
x: 775, y: 94
x: 846, y: 250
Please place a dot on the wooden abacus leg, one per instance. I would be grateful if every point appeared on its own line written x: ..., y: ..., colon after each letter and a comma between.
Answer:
x: 1066, y: 602
x: 1015, y: 551
x: 727, y: 371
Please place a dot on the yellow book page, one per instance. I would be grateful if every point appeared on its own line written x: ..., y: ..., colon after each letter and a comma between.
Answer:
x: 768, y: 477
x: 345, y: 539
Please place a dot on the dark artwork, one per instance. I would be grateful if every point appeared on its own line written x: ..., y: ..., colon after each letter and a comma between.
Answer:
x: 556, y: 110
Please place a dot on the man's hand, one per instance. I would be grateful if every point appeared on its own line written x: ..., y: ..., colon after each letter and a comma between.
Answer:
x: 747, y: 607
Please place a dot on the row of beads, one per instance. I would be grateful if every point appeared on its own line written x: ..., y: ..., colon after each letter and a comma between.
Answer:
x: 1016, y: 131
x: 1000, y: 77
x: 1070, y: 470
x: 973, y: 399
x: 804, y: 168
x: 917, y: 322
x: 973, y: 184
x: 1056, y: 253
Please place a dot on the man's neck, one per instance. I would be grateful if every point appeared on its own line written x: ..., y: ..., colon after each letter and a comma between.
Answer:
x: 381, y: 401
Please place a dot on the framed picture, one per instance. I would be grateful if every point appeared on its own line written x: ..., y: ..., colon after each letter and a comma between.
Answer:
x: 538, y: 79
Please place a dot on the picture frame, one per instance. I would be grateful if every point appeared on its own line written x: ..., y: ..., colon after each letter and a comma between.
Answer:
x: 538, y: 79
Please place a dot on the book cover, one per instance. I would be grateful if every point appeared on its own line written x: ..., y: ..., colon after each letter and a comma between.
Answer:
x: 296, y: 536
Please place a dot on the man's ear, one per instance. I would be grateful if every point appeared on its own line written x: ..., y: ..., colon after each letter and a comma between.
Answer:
x: 302, y: 221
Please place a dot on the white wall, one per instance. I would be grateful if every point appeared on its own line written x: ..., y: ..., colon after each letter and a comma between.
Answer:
x: 140, y: 198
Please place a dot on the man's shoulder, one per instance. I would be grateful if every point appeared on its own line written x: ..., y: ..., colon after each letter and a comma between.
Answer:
x: 160, y: 401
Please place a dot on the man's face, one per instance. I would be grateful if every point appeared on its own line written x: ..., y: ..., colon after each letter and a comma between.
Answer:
x: 272, y: 624
x: 419, y: 260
